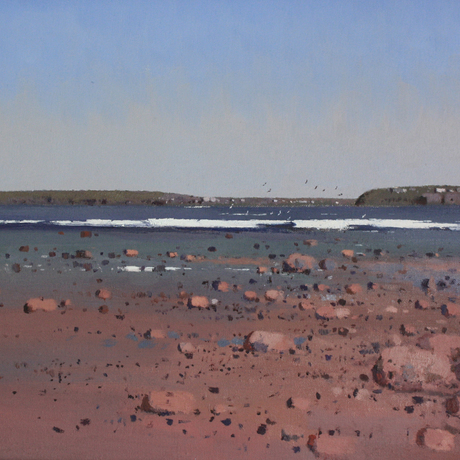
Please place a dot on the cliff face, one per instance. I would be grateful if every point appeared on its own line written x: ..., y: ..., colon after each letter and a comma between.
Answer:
x: 410, y: 196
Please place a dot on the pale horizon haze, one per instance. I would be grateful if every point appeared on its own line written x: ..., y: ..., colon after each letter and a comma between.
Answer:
x: 229, y: 98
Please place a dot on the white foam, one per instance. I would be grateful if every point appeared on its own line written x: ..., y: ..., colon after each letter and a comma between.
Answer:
x: 318, y: 224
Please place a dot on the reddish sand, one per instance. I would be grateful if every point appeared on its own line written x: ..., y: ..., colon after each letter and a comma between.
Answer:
x: 160, y: 379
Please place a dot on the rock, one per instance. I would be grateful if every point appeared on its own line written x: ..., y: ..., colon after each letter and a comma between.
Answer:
x: 186, y: 347
x: 104, y: 309
x: 275, y: 270
x: 250, y: 295
x: 452, y: 405
x: 221, y: 286
x: 353, y: 289
x: 171, y: 255
x: 408, y: 330
x: 85, y: 234
x: 83, y: 254
x: 436, y: 439
x: 131, y: 252
x: 342, y: 312
x: 306, y: 305
x: 168, y: 402
x: 103, y: 294
x: 16, y: 268
x: 198, y: 301
x: 335, y: 445
x: 40, y: 304
x: 410, y: 368
x: 391, y: 309
x: 298, y: 263
x: 267, y: 341
x: 327, y: 264
x: 189, y: 258
x: 421, y: 304
x: 24, y: 249
x: 272, y: 294
x: 262, y: 270
x: 348, y: 253
x: 450, y: 309
x: 325, y: 312
x: 310, y: 242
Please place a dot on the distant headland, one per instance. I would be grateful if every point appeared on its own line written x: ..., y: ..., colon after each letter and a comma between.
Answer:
x: 411, y: 196
x: 394, y: 196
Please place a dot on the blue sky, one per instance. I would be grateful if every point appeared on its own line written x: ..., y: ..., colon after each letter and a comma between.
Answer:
x: 218, y: 97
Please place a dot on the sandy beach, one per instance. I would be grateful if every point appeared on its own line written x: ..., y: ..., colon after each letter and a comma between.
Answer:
x: 226, y: 345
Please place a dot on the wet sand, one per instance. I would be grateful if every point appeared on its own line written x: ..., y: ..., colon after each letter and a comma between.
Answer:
x: 130, y: 364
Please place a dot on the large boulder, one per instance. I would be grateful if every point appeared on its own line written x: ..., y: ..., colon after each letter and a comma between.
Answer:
x: 40, y: 303
x: 436, y: 439
x: 298, y: 263
x: 267, y: 341
x: 168, y: 402
x: 435, y: 367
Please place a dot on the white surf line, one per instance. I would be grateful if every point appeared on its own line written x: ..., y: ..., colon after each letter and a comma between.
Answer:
x: 344, y: 224
x: 136, y: 269
x: 320, y: 224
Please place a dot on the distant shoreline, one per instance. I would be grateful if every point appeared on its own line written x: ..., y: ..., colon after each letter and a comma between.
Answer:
x: 143, y: 198
x: 392, y: 196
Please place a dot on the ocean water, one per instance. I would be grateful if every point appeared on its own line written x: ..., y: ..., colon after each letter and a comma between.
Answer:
x: 273, y: 218
x: 227, y: 243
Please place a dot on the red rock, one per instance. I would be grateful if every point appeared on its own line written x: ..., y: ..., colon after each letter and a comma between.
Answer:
x: 190, y: 258
x: 223, y: 286
x: 436, y: 439
x: 272, y: 294
x: 103, y: 309
x: 24, y: 248
x: 421, y: 304
x: 452, y: 405
x: 85, y: 234
x: 298, y: 263
x: 410, y: 368
x: 83, y: 254
x: 198, y: 301
x: 306, y: 305
x: 173, y: 402
x: 310, y: 242
x: 267, y: 341
x: 348, y: 253
x: 171, y: 255
x: 275, y: 270
x: 353, y: 289
x: 131, y: 252
x: 326, y: 312
x: 40, y: 304
x: 451, y: 309
x: 250, y: 295
x: 186, y: 347
x: 261, y: 270
x: 103, y: 294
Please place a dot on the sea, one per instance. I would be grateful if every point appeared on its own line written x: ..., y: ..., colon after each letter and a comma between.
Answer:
x: 39, y: 245
x: 421, y: 229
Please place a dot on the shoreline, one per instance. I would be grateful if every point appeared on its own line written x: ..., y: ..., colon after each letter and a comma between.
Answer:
x: 75, y: 378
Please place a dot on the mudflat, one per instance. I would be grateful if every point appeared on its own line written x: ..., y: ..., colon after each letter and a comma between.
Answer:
x: 220, y: 345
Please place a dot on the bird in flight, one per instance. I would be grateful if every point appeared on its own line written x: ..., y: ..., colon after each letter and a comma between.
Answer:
x: 264, y: 184
x: 306, y: 181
